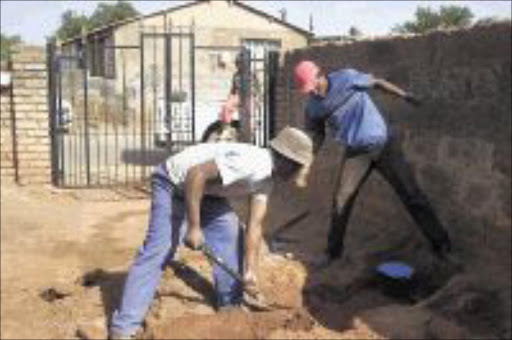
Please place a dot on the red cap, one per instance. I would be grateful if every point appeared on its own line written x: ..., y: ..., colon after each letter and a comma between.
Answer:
x: 305, y: 74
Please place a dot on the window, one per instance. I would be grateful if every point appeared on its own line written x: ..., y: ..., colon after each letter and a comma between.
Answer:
x: 101, y: 56
x: 258, y: 47
x: 109, y: 58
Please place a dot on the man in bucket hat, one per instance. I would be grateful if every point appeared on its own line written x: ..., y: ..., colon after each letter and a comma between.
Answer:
x: 192, y: 187
x: 340, y: 100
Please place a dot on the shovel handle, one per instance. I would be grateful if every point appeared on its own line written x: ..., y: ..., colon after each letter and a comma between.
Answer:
x: 220, y: 262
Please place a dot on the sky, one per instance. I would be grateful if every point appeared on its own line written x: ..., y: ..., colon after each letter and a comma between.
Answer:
x: 35, y: 20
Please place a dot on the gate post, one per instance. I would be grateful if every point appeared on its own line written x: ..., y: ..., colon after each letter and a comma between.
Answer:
x: 52, y: 110
x: 272, y: 72
x: 85, y: 64
x: 245, y: 97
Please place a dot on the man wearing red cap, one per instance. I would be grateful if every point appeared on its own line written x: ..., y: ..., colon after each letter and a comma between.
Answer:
x: 340, y: 100
x: 230, y: 126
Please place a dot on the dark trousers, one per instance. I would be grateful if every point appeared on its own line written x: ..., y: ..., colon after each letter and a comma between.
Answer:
x: 392, y: 165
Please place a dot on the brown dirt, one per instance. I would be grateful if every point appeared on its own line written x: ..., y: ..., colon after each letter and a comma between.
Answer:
x: 64, y: 256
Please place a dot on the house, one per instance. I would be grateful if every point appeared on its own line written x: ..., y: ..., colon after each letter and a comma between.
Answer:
x: 205, y: 37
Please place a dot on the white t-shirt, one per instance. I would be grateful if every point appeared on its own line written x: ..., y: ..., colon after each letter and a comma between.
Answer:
x: 245, y: 169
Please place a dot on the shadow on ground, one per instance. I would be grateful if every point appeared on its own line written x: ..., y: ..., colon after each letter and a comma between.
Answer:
x: 111, y: 285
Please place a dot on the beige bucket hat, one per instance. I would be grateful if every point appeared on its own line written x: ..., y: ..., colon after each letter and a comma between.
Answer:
x: 297, y: 146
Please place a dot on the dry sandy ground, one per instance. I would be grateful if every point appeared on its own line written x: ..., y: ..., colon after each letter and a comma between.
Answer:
x: 64, y: 256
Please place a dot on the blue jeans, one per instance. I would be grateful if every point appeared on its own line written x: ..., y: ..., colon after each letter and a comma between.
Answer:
x: 165, y: 232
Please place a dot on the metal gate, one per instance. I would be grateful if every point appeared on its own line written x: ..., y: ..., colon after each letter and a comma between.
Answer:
x: 110, y: 126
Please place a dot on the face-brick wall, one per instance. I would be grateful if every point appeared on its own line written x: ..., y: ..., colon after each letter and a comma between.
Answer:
x: 459, y: 141
x: 29, y: 114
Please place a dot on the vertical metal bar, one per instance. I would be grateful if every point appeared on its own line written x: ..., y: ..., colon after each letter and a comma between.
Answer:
x: 72, y: 131
x: 170, y: 70
x: 116, y: 142
x: 167, y: 97
x: 251, y: 112
x: 142, y: 104
x: 265, y: 97
x: 256, y: 110
x: 249, y: 102
x: 125, y: 117
x: 288, y: 84
x: 51, y: 109
x: 85, y: 56
x: 180, y: 72
x: 273, y: 76
x: 67, y: 84
x: 258, y: 127
x: 155, y: 91
x: 98, y: 118
x: 244, y: 110
x: 180, y: 67
x: 78, y: 127
x: 106, y: 117
x: 258, y: 105
x: 134, y: 123
x: 193, y: 84
x: 59, y: 123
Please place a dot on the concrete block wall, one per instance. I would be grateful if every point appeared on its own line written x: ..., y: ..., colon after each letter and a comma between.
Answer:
x: 6, y: 146
x: 30, y: 109
x: 459, y: 141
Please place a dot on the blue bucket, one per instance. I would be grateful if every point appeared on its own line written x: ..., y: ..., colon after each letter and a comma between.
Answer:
x: 396, y: 279
x: 395, y: 270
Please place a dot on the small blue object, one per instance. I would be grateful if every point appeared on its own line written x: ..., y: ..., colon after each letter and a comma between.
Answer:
x: 395, y: 270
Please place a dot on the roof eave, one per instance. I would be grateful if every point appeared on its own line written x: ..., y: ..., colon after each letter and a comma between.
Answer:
x: 192, y: 3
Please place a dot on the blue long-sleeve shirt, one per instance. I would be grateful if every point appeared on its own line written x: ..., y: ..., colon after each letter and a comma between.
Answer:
x: 348, y: 110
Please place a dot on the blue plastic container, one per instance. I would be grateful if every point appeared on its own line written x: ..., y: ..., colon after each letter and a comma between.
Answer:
x: 396, y: 279
x: 395, y: 270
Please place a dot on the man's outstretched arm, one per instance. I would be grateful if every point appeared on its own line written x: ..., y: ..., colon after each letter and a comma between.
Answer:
x: 195, y: 181
x: 253, y: 237
x: 395, y: 90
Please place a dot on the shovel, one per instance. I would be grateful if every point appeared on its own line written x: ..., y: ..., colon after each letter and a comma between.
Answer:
x: 257, y: 302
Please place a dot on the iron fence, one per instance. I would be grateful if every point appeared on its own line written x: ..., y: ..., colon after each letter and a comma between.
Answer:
x: 157, y: 97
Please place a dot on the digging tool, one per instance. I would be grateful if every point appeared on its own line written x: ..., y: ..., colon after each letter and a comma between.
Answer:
x: 220, y: 262
x: 253, y: 302
x: 276, y: 238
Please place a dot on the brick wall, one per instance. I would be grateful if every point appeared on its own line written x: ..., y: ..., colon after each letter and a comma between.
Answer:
x: 30, y: 111
x: 458, y: 142
x: 6, y: 146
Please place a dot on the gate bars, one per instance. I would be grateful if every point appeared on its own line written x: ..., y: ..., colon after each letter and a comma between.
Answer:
x: 110, y: 130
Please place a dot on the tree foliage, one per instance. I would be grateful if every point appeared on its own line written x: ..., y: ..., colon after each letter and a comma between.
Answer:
x: 455, y: 16
x: 104, y: 14
x: 427, y: 19
x: 7, y: 42
x: 71, y: 25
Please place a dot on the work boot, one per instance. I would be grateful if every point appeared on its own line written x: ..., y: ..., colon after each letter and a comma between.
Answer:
x: 323, y: 261
x: 442, y: 249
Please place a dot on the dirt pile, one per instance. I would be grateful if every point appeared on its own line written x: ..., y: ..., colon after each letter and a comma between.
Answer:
x: 231, y: 325
x: 78, y: 251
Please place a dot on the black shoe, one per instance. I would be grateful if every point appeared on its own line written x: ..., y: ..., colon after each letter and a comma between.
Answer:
x: 442, y: 249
